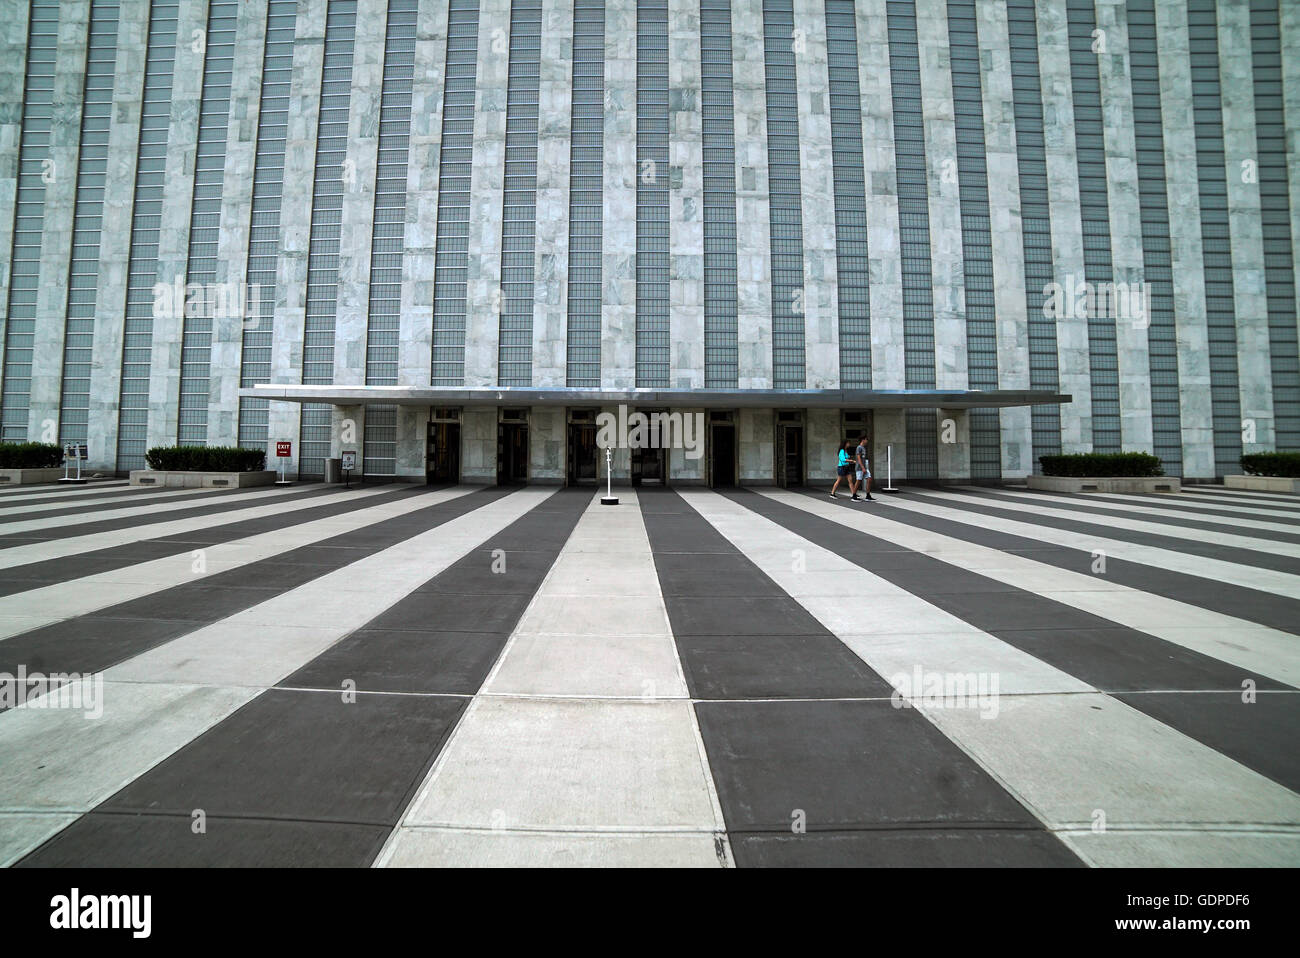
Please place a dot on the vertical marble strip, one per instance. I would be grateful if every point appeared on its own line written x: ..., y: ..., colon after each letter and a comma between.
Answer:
x: 57, y: 221
x: 947, y: 261
x: 356, y: 231
x: 415, y: 352
x: 947, y: 264
x: 236, y: 213
x: 1067, y: 220
x: 550, y: 269
x: 115, y: 233
x: 356, y: 227
x: 753, y: 252
x: 685, y: 197
x: 1185, y: 241
x: 886, y: 263
x: 1132, y: 352
x: 174, y: 231
x: 284, y: 419
x: 14, y: 24
x: 817, y: 179
x: 1007, y: 239
x: 618, y: 257
x: 483, y: 272
x: 1241, y: 158
x: 1289, y: 15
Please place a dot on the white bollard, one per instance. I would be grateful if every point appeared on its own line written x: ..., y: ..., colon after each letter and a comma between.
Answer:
x: 889, y: 469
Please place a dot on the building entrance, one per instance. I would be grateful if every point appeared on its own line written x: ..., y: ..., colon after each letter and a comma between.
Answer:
x: 442, y: 453
x: 583, y: 453
x: 722, y: 454
x: 789, y: 454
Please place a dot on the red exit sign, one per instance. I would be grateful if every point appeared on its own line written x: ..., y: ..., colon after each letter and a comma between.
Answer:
x: 284, y: 450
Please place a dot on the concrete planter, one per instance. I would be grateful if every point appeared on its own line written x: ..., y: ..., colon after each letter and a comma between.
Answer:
x: 26, y: 477
x: 1263, y: 484
x: 201, y: 480
x: 1104, y: 484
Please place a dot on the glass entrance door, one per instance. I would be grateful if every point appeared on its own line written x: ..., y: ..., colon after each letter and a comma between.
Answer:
x: 442, y: 453
x: 582, y: 454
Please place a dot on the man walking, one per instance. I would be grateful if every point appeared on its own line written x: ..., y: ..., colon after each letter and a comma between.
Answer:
x: 863, y: 468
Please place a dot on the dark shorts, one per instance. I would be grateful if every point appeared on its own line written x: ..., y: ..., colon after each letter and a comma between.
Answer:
x: 844, y: 470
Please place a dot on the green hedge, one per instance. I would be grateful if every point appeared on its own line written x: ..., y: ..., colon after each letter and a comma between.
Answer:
x: 30, y: 455
x: 1102, y: 465
x: 205, y: 459
x: 1284, y: 464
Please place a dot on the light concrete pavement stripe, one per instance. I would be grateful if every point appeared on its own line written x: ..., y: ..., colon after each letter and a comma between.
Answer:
x: 64, y: 763
x: 145, y: 510
x: 1042, y: 508
x: 1193, y: 506
x: 75, y: 545
x: 1249, y: 577
x: 905, y: 631
x: 266, y: 642
x: 582, y: 736
x: 1087, y: 505
x: 75, y: 597
x: 151, y: 496
x: 1065, y: 756
x: 1254, y: 647
x: 54, y: 488
x: 1279, y: 499
x: 59, y: 763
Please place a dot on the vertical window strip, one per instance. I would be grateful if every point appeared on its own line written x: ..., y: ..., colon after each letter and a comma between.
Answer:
x: 1157, y: 255
x: 586, y: 196
x: 718, y: 147
x: 1094, y: 204
x: 914, y: 238
x: 976, y: 235
x: 784, y: 196
x: 1275, y: 209
x: 29, y: 215
x: 205, y: 224
x: 388, y: 233
x: 142, y: 271
x: 264, y: 231
x: 326, y: 225
x: 519, y: 198
x: 850, y: 195
x: 1035, y: 221
x: 1220, y: 311
x: 652, y: 206
x: 454, y: 170
x: 83, y: 270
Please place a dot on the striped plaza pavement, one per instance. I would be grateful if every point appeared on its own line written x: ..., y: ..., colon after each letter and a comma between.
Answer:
x: 409, y: 676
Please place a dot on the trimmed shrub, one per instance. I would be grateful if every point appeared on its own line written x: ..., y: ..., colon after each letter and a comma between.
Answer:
x: 1103, y: 465
x: 1283, y: 464
x: 30, y: 455
x: 205, y: 459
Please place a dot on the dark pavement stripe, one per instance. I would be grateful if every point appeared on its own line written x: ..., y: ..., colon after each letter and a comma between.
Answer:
x: 837, y: 766
x: 1109, y: 657
x: 101, y: 639
x: 1273, y: 500
x: 1185, y: 520
x: 1265, y: 608
x: 34, y: 575
x: 1207, y: 549
x: 1161, y: 505
x: 119, y: 495
x: 295, y: 763
x: 214, y: 506
x: 114, y: 502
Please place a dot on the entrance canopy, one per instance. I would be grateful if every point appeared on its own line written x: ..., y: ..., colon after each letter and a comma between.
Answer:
x: 706, y: 398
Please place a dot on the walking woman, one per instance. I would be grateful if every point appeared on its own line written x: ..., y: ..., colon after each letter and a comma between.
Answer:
x: 844, y: 470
